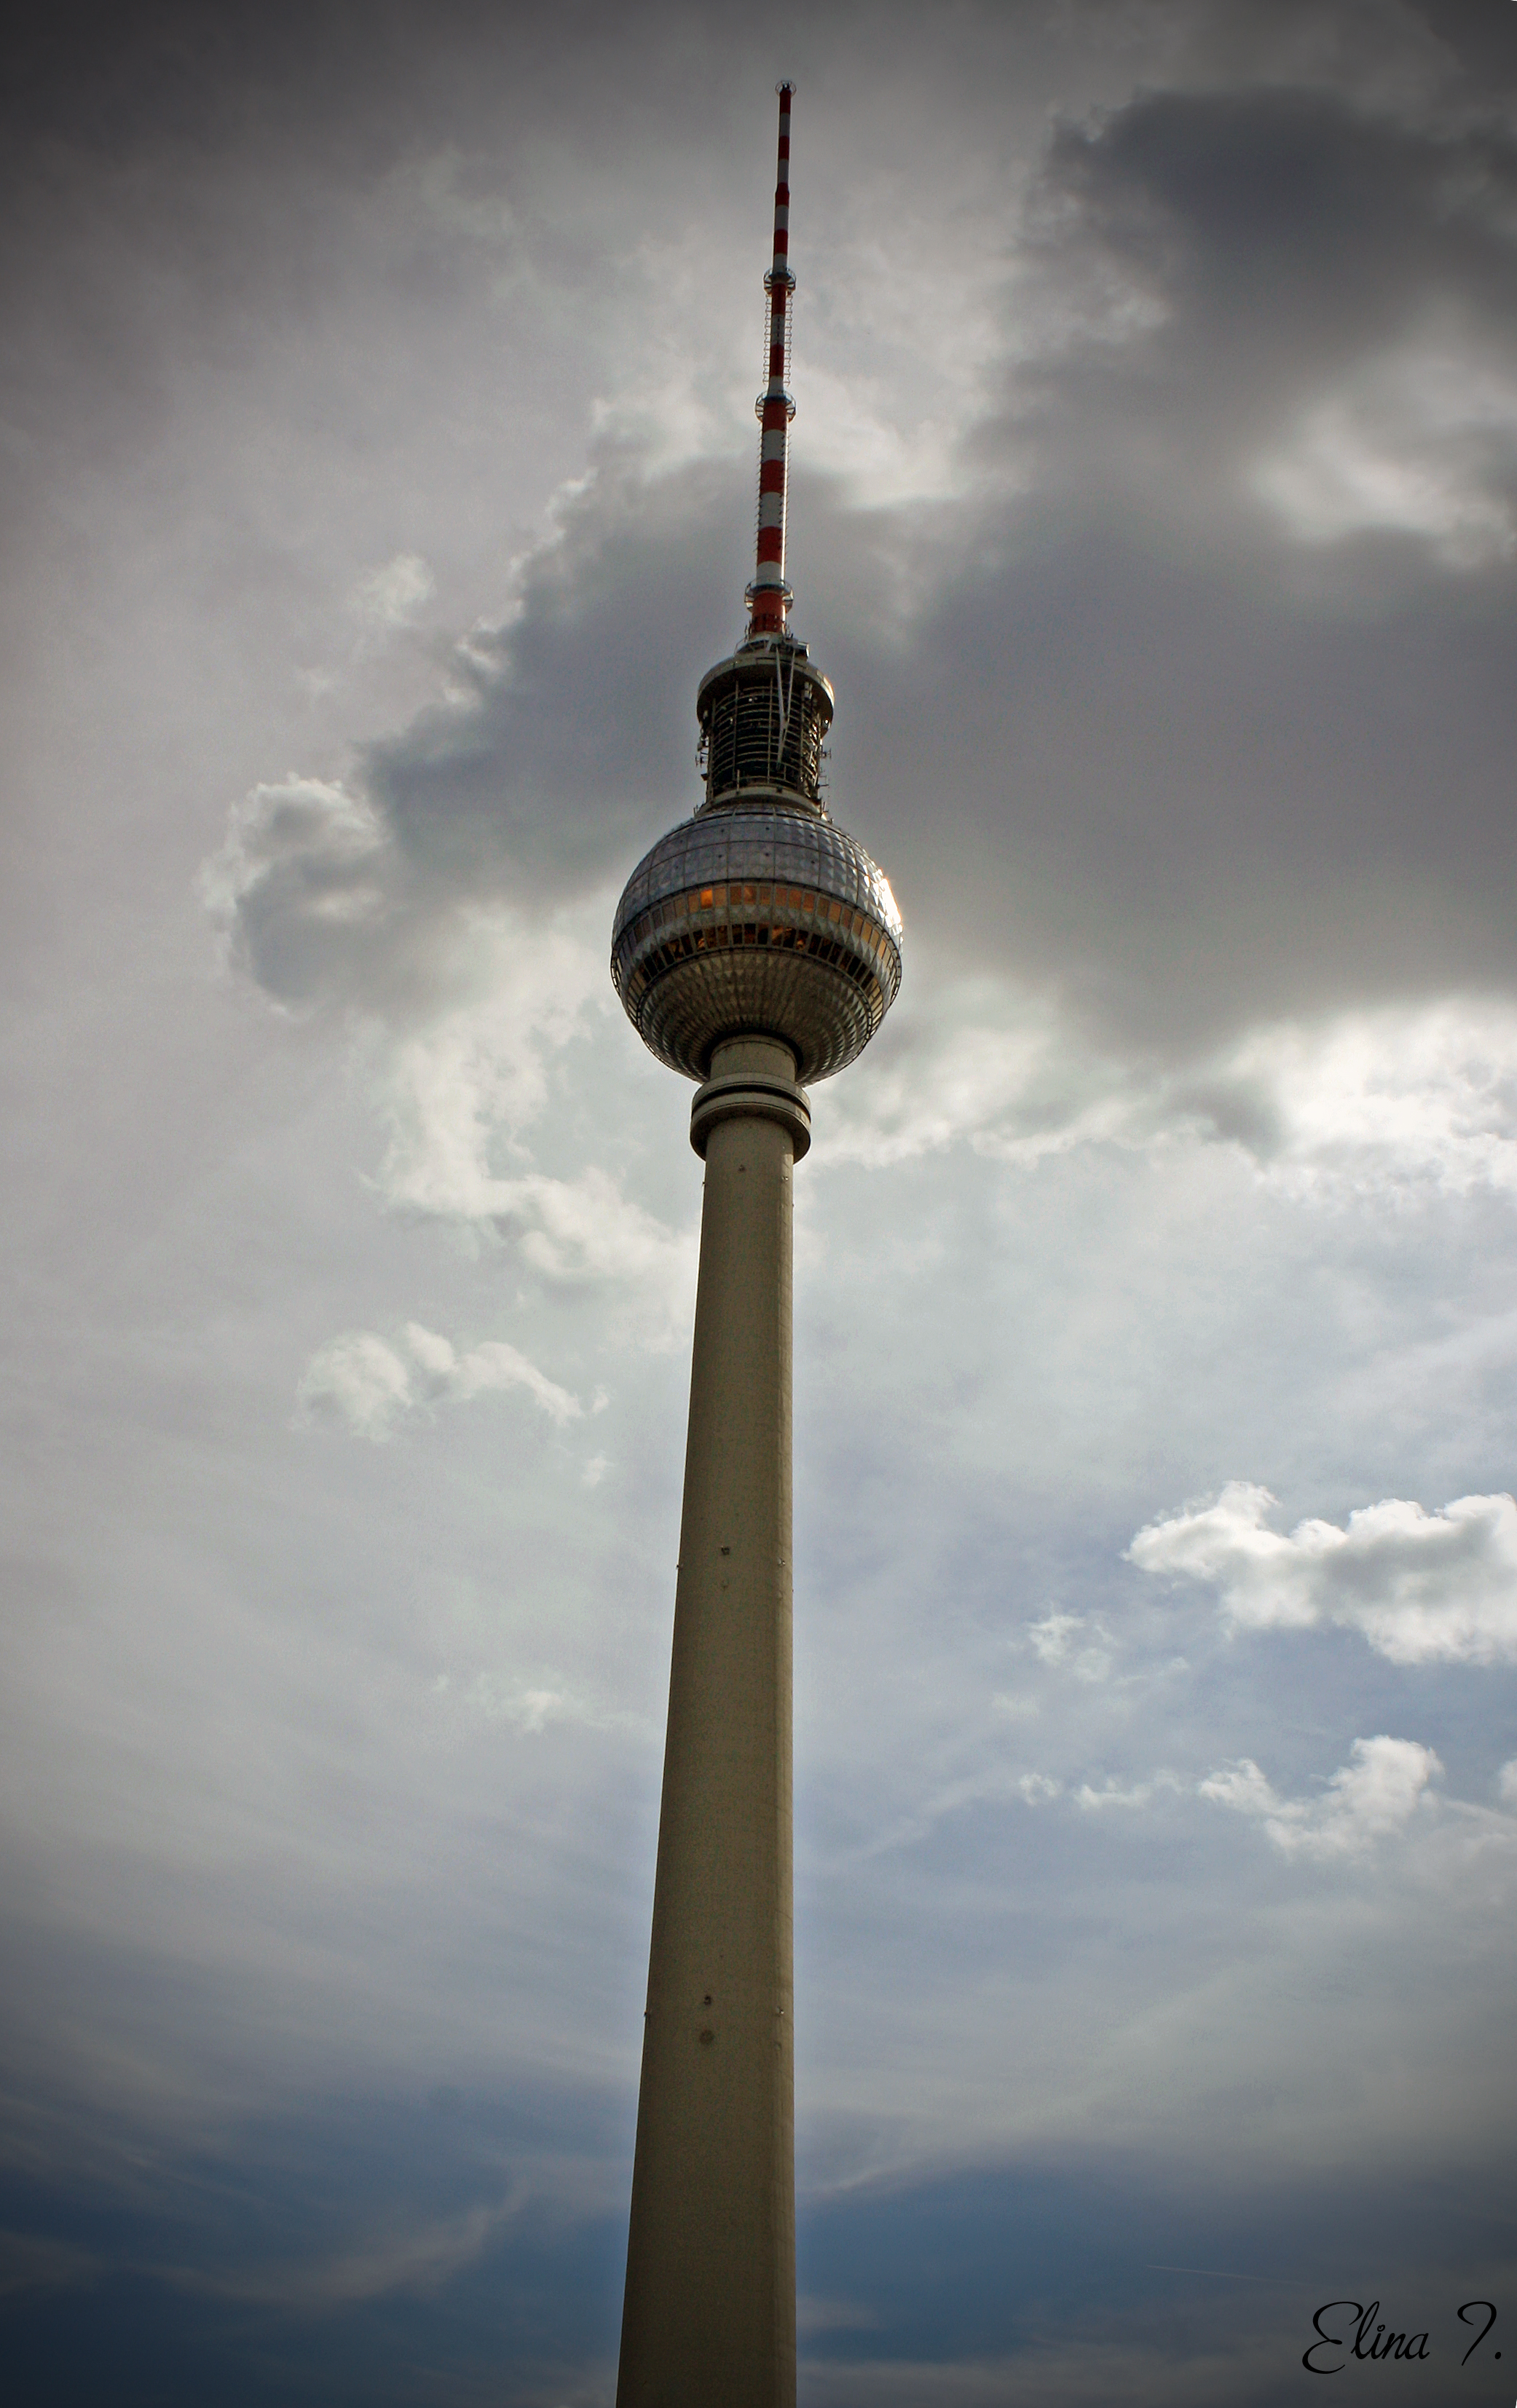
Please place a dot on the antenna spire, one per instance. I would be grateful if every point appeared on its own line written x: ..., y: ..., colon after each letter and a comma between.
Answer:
x: 769, y: 597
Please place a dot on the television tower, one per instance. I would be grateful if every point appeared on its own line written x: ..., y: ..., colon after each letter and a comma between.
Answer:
x: 755, y: 947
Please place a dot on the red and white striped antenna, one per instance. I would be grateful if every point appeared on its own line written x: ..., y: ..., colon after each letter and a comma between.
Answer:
x: 769, y: 597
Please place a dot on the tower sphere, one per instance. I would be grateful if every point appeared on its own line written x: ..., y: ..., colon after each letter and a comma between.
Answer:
x: 758, y: 916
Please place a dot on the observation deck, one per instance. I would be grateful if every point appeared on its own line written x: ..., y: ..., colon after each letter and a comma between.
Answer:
x: 763, y: 713
x: 758, y: 917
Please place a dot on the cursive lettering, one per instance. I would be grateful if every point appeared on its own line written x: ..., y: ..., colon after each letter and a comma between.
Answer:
x: 1485, y: 2328
x: 1393, y: 2345
x: 1329, y: 2341
x: 1370, y: 2337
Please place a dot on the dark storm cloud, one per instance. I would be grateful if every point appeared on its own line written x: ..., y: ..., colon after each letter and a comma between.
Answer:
x: 1285, y: 233
x: 579, y: 732
x: 1185, y: 796
x: 1038, y: 2281
x: 1483, y: 41
x: 566, y: 740
x: 1204, y: 768
x: 144, y: 74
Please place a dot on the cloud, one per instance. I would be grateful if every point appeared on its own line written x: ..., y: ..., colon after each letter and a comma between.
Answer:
x: 487, y: 1368
x: 421, y: 2259
x: 462, y: 1011
x: 1366, y: 1101
x: 981, y: 1061
x: 1419, y: 445
x: 1049, y: 1638
x: 1038, y: 1788
x: 361, y: 1380
x: 458, y: 1097
x: 1053, y: 1641
x: 530, y: 1710
x: 31, y: 2262
x: 298, y: 886
x: 448, y: 897
x: 813, y: 2315
x: 391, y: 597
x: 1372, y: 1799
x: 1421, y: 1588
x: 1262, y: 249
x: 1231, y: 617
x: 464, y: 1085
x: 1112, y: 1793
x: 1506, y: 1783
x: 563, y: 745
x: 1393, y: 1103
x: 358, y: 1379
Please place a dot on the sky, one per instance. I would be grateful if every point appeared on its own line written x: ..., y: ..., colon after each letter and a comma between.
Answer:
x: 379, y: 459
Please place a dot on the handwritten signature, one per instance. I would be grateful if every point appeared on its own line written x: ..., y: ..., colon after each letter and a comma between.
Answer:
x: 1361, y: 2342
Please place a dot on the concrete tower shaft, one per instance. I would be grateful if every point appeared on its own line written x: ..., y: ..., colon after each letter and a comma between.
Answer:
x: 711, y: 2295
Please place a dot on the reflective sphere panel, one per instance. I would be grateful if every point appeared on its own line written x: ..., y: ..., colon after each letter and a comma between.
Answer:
x: 757, y: 921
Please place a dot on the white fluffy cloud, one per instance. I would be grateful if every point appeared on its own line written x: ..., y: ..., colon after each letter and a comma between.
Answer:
x: 456, y: 1093
x: 296, y: 886
x: 1420, y: 444
x: 1415, y: 1099
x: 1418, y: 1096
x: 1054, y: 1644
x: 391, y: 597
x: 1038, y: 1788
x: 464, y: 1011
x: 1115, y: 1793
x: 1371, y: 1799
x: 1421, y: 1587
x: 361, y: 1379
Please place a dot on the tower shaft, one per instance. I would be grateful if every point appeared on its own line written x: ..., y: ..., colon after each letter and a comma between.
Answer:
x: 710, y: 2316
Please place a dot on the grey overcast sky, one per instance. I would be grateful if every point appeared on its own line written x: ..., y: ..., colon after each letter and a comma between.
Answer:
x: 378, y: 447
